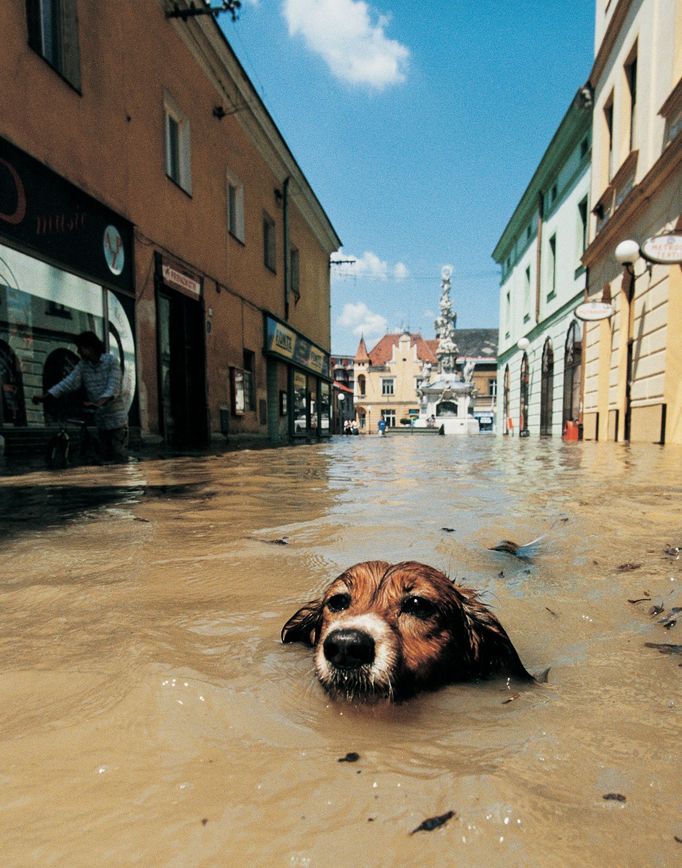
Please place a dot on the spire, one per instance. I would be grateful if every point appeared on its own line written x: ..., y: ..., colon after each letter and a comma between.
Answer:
x: 361, y: 354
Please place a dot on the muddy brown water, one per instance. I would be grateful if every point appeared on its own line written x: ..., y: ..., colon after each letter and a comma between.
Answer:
x: 149, y: 714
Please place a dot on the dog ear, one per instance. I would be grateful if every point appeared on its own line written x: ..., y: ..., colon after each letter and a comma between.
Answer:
x: 491, y: 649
x: 304, y: 626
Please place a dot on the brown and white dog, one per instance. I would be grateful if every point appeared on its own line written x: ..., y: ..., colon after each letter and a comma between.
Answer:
x: 387, y: 631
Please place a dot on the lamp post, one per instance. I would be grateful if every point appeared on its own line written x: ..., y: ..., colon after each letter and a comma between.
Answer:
x: 627, y: 253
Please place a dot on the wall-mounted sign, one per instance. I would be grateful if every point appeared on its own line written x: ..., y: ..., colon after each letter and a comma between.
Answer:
x: 183, y: 281
x: 282, y: 341
x: 42, y: 212
x: 592, y: 311
x: 664, y: 249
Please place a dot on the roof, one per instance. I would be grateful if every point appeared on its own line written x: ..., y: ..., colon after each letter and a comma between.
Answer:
x: 382, y: 352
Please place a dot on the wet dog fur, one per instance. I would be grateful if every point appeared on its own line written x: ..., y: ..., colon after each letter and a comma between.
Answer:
x: 388, y: 631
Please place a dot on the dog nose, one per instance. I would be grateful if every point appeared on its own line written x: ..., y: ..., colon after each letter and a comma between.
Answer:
x: 349, y: 649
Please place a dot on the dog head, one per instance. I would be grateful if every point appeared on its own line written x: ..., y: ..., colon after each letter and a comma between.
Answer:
x: 385, y: 630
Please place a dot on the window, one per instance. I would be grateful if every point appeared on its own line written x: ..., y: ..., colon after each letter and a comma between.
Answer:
x: 551, y: 265
x: 361, y: 386
x: 249, y: 380
x: 389, y: 418
x: 631, y: 78
x: 608, y: 128
x: 294, y: 273
x: 584, y: 147
x: 388, y: 387
x: 178, y: 165
x: 582, y: 226
x: 235, y: 207
x: 269, y: 243
x: 53, y: 33
x: 526, y: 295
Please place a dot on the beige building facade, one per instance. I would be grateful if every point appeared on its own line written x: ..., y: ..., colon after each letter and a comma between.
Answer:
x: 146, y: 194
x: 633, y: 360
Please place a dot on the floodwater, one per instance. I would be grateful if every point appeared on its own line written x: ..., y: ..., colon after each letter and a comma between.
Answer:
x: 150, y: 715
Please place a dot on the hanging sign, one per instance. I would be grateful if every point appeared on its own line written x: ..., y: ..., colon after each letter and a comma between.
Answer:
x: 663, y: 249
x: 592, y: 311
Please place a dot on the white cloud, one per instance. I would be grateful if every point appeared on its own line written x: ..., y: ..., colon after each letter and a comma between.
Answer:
x: 360, y: 320
x: 355, y: 48
x: 400, y: 271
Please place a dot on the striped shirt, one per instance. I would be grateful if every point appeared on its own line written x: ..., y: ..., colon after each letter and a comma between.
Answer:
x: 101, y: 379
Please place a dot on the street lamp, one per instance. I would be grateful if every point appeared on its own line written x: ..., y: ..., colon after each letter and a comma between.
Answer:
x: 627, y: 253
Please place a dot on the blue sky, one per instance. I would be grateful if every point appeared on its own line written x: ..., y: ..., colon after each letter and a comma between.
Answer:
x: 419, y: 126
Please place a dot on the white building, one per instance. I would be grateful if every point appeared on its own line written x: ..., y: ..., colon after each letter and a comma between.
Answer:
x: 543, y: 281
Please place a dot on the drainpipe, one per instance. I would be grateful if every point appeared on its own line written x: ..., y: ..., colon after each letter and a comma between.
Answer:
x: 538, y: 257
x: 285, y: 224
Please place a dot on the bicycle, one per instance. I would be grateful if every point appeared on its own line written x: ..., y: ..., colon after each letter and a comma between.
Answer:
x: 60, y: 447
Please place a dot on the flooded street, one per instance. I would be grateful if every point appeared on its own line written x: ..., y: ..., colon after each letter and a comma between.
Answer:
x: 150, y: 714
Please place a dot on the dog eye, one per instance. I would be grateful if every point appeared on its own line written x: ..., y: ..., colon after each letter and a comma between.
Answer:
x: 418, y: 607
x: 338, y: 602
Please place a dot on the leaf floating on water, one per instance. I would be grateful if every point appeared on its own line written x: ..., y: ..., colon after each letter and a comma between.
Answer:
x: 627, y: 567
x: 664, y: 647
x: 640, y: 600
x: 350, y: 757
x: 551, y: 611
x: 614, y: 797
x: 433, y: 823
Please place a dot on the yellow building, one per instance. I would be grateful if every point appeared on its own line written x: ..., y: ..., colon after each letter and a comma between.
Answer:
x: 633, y: 360
x: 386, y: 379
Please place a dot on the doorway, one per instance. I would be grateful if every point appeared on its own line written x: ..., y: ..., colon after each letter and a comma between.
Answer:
x: 182, y: 376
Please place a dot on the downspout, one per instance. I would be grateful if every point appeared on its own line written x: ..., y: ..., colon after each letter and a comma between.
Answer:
x: 538, y: 257
x: 285, y: 224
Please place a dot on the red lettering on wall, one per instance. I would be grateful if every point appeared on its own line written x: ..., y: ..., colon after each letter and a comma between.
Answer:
x: 15, y: 217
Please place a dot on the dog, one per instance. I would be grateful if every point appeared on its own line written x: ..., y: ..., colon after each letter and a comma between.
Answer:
x: 389, y: 631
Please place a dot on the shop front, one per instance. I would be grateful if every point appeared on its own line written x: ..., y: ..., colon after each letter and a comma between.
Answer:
x: 65, y: 267
x: 299, y: 384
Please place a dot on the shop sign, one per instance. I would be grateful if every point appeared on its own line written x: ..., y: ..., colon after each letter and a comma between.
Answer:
x: 592, y: 311
x: 285, y: 342
x: 187, y: 283
x: 43, y: 212
x: 665, y: 249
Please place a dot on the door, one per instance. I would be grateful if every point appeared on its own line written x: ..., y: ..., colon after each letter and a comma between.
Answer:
x: 182, y: 386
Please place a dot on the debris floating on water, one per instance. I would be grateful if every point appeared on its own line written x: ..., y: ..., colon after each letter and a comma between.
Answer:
x: 527, y: 550
x: 350, y: 757
x: 614, y: 797
x: 664, y: 647
x: 448, y: 529
x: 670, y: 620
x: 433, y: 823
x: 627, y: 567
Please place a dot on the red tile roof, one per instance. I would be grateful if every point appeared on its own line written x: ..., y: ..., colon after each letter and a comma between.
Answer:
x: 383, y: 350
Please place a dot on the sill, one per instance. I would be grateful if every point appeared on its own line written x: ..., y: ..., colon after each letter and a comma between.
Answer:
x: 526, y: 317
x: 506, y: 335
x: 627, y: 168
x: 237, y: 238
x: 580, y: 270
x: 551, y: 295
x: 269, y: 268
x: 57, y: 71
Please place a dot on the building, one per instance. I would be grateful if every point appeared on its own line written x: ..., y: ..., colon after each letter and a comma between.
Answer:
x: 343, y: 389
x: 388, y: 376
x: 542, y: 282
x: 633, y: 359
x: 146, y: 194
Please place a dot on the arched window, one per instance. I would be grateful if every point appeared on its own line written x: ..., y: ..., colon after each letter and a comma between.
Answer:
x: 506, y: 414
x: 12, y: 404
x: 547, y: 389
x: 58, y: 365
x: 573, y: 358
x: 523, y: 399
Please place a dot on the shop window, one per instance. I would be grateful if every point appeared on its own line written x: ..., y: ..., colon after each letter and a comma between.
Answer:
x: 12, y: 404
x: 389, y: 418
x: 506, y: 388
x: 547, y: 389
x: 300, y: 408
x: 235, y: 208
x: 523, y: 396
x: 177, y: 132
x: 325, y: 407
x: 572, y: 374
x: 294, y: 273
x: 53, y: 34
x: 269, y: 243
